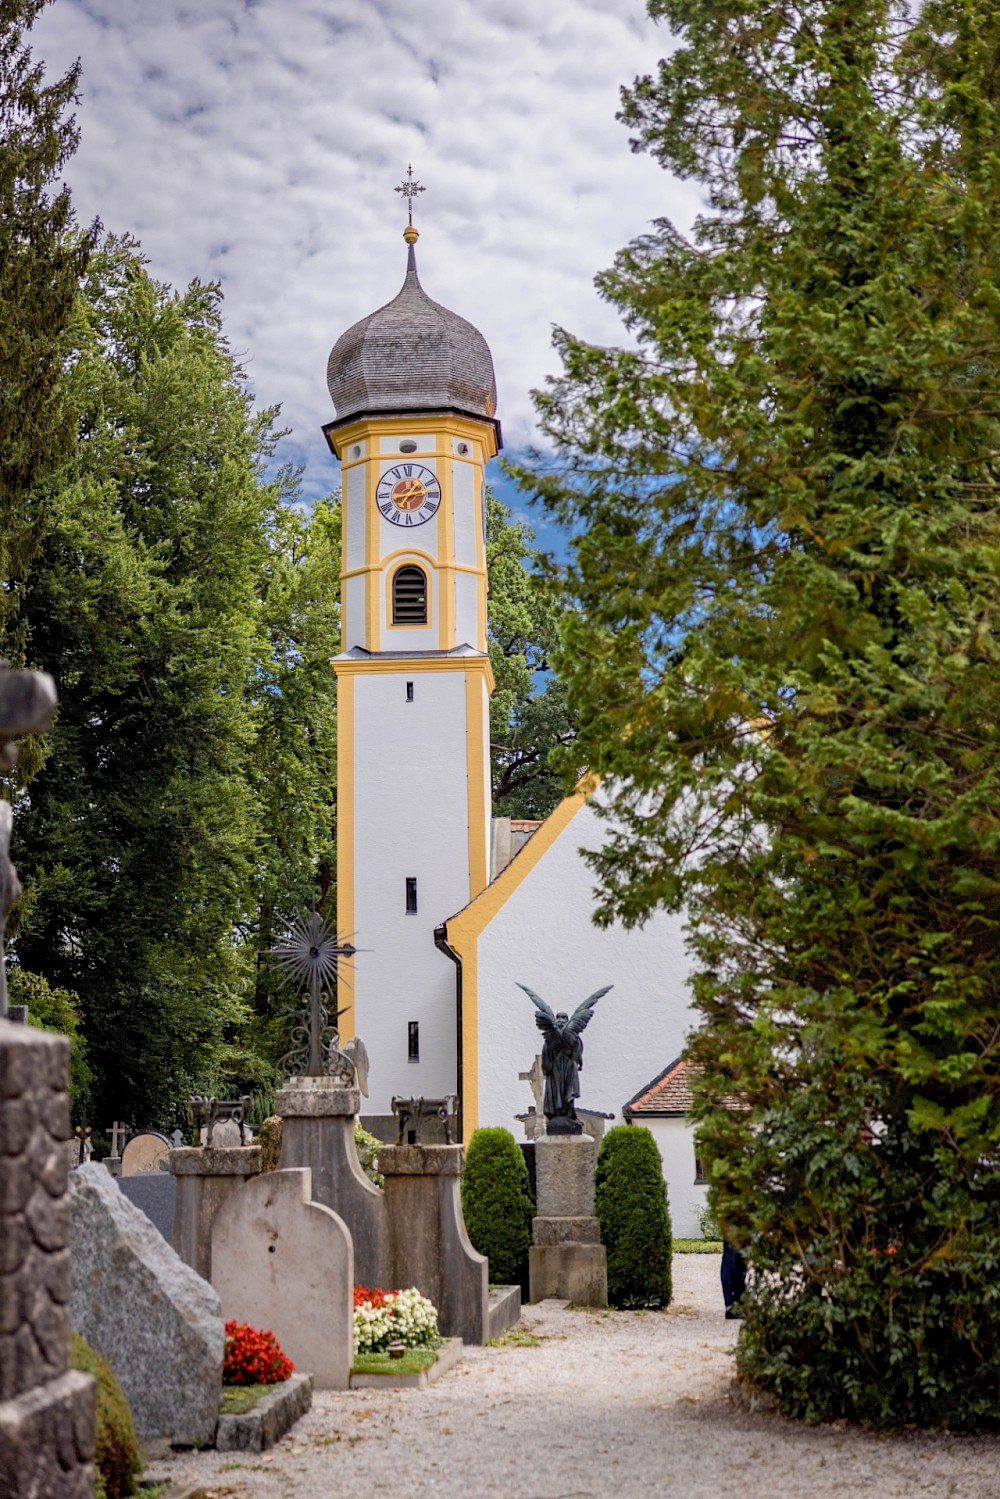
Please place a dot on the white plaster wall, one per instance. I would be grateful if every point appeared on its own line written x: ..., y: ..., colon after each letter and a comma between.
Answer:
x: 352, y: 620
x: 354, y: 516
x: 466, y: 610
x: 544, y: 937
x: 411, y: 819
x: 463, y: 481
x: 675, y: 1138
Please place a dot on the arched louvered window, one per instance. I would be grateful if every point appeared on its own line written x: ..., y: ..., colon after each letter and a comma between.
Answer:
x: 409, y: 597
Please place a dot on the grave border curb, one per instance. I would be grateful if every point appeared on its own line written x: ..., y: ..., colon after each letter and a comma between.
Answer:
x: 449, y: 1355
x: 267, y: 1422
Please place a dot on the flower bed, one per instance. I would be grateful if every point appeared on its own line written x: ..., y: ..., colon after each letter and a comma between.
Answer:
x: 384, y: 1317
x: 252, y: 1357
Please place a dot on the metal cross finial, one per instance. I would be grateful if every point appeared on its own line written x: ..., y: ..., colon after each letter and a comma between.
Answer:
x: 409, y: 189
x: 310, y: 955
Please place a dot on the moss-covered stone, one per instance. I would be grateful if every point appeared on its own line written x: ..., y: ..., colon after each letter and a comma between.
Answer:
x: 117, y: 1460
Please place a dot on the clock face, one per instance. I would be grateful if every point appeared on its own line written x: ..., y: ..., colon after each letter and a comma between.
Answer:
x: 408, y: 495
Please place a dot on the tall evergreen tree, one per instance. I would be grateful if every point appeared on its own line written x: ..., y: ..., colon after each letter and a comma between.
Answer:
x: 785, y: 661
x: 41, y: 262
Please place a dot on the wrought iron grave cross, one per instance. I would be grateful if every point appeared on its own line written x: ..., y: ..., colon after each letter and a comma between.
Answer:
x: 310, y: 955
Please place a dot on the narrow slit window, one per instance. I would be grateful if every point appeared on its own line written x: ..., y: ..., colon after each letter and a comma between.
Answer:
x: 409, y: 597
x: 411, y: 893
x: 409, y: 692
x: 413, y: 1041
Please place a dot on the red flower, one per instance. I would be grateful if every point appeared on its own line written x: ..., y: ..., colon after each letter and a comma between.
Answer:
x: 253, y: 1357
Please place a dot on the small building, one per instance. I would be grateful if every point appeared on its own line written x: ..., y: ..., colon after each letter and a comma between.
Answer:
x: 664, y: 1108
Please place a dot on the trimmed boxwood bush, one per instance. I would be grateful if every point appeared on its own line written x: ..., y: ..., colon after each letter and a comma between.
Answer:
x: 631, y: 1204
x: 117, y: 1459
x: 497, y: 1203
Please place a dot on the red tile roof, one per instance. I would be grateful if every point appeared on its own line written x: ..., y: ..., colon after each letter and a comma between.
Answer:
x: 669, y: 1094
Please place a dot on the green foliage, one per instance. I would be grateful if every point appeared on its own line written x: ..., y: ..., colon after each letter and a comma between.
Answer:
x: 630, y: 1198
x: 41, y: 262
x: 368, y: 1147
x: 497, y: 1204
x: 269, y: 1140
x: 784, y: 659
x: 529, y: 716
x: 56, y: 1010
x: 117, y: 1459
x: 165, y: 601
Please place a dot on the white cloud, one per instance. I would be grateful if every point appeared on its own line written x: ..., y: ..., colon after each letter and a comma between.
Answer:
x: 258, y: 142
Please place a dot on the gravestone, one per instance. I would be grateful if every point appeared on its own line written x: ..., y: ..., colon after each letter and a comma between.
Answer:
x: 567, y: 1258
x: 150, y: 1317
x: 317, y: 1131
x: 205, y: 1178
x: 427, y: 1245
x: 284, y: 1262
x: 46, y: 1409
x: 145, y: 1152
x: 155, y: 1193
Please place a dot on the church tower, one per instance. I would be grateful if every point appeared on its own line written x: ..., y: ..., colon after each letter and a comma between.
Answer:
x: 414, y: 394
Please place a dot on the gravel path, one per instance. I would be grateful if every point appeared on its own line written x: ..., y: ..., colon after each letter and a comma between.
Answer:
x: 603, y: 1404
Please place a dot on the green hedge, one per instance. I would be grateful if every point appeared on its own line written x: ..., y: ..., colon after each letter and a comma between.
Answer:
x: 497, y: 1203
x: 631, y: 1204
x: 117, y: 1459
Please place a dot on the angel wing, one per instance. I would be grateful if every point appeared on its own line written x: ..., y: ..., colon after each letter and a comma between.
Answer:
x: 545, y: 1018
x: 358, y: 1053
x: 581, y: 1015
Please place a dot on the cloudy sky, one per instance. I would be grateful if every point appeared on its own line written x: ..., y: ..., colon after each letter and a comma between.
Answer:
x: 258, y: 142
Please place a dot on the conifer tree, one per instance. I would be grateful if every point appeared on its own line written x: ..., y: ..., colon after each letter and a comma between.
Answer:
x: 41, y: 261
x: 785, y: 662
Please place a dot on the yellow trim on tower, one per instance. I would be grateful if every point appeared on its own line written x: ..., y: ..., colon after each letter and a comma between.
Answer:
x: 462, y: 933
x: 345, y: 825
x: 404, y: 665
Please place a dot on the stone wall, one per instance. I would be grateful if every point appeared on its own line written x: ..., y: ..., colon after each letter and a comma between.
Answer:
x: 46, y: 1409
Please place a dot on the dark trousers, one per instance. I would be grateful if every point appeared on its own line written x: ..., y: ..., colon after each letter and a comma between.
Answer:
x: 733, y: 1274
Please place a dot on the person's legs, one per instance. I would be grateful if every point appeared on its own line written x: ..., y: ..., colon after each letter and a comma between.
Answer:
x: 734, y: 1278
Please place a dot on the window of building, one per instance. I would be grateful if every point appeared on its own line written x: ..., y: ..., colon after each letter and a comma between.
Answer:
x: 699, y: 1172
x: 411, y: 893
x: 409, y: 597
x: 413, y: 1041
x: 409, y: 692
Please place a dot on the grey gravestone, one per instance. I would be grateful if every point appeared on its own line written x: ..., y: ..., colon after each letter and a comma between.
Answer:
x: 156, y: 1323
x: 155, y: 1193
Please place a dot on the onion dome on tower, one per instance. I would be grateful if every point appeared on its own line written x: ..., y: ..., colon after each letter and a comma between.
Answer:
x: 412, y: 355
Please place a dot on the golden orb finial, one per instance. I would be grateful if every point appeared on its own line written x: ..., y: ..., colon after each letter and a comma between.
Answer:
x: 411, y: 235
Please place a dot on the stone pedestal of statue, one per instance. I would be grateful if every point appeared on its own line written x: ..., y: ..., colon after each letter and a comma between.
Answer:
x: 317, y: 1130
x: 567, y: 1259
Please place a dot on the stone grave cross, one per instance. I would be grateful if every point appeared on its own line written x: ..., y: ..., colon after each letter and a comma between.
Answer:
x: 117, y: 1133
x: 27, y: 703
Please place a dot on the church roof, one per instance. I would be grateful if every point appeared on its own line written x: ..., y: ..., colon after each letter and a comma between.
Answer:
x: 411, y: 355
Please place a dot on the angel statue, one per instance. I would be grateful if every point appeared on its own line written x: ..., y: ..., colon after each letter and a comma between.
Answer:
x: 562, y: 1052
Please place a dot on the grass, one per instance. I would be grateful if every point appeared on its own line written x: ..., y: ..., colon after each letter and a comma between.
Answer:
x: 239, y: 1398
x: 414, y: 1361
x: 697, y: 1246
x: 516, y: 1337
